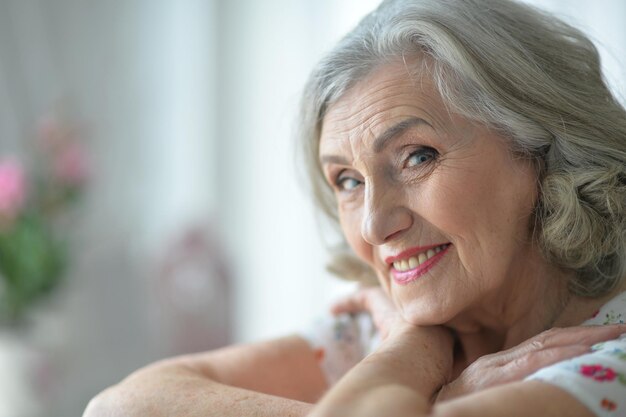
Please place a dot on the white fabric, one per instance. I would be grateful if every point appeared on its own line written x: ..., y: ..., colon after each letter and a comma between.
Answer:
x: 597, y: 379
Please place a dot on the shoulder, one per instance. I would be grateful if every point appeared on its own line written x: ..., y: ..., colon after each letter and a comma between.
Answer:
x: 613, y: 312
x: 598, y: 378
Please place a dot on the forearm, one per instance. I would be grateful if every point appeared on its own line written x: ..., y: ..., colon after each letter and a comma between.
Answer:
x: 517, y: 399
x: 520, y: 399
x: 366, y: 392
x: 166, y: 391
x: 273, y: 378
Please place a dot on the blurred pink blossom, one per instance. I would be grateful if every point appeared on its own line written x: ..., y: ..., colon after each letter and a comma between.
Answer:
x: 60, y: 140
x: 70, y: 165
x: 12, y: 188
x: 54, y: 133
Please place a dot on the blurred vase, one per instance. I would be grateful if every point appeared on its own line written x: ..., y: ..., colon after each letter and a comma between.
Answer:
x: 20, y: 366
x: 193, y: 288
x: 29, y: 375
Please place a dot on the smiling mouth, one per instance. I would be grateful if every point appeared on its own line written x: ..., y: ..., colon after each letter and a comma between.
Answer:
x: 409, y: 269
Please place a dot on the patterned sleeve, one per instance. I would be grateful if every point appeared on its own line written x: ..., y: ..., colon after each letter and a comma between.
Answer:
x: 341, y: 342
x: 598, y: 378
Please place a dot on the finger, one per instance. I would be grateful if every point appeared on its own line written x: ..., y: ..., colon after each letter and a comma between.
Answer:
x: 531, y: 362
x: 558, y: 338
x: 585, y: 335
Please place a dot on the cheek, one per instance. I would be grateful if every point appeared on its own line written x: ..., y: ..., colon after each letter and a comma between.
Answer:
x: 446, y: 205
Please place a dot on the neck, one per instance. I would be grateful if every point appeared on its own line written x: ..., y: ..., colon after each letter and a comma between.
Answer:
x: 528, y: 303
x: 510, y: 321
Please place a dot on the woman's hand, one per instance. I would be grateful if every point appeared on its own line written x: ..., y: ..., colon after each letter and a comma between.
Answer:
x: 402, y: 375
x: 515, y: 364
x: 400, y: 378
x: 374, y: 301
x: 402, y: 340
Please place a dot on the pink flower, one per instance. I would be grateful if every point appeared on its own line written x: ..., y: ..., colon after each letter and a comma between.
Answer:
x: 61, y: 144
x: 53, y: 133
x: 598, y: 373
x: 12, y: 188
x: 70, y: 165
x: 608, y: 404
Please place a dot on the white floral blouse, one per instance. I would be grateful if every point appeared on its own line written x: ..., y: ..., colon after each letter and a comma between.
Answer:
x: 597, y: 379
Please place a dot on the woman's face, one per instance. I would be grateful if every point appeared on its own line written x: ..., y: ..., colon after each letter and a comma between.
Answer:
x: 433, y: 202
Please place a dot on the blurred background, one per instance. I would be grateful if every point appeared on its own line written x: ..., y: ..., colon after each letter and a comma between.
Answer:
x: 153, y: 203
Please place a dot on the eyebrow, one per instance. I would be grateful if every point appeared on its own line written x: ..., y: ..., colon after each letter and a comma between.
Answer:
x: 382, y: 140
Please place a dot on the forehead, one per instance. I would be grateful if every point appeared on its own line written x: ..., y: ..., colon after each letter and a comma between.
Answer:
x: 388, y: 95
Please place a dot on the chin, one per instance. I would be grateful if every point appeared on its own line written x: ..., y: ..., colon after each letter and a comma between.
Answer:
x: 423, y: 314
x: 431, y: 311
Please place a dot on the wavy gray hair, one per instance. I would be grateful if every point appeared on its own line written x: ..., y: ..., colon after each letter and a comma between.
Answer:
x: 519, y: 70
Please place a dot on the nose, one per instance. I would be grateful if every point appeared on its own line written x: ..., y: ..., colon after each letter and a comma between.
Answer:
x: 385, y: 217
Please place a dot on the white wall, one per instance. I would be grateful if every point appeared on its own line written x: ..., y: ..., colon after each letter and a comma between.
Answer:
x: 139, y: 77
x: 266, y: 52
x: 603, y: 21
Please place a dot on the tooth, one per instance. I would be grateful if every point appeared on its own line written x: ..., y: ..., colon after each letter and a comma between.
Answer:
x: 397, y: 265
x: 405, y: 266
x: 422, y: 258
x: 438, y: 249
x: 430, y: 253
x: 413, y: 263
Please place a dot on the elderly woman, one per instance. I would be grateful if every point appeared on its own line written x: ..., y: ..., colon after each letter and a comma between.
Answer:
x: 476, y: 163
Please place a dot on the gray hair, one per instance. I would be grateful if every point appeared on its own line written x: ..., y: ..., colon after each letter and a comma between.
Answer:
x: 535, y: 79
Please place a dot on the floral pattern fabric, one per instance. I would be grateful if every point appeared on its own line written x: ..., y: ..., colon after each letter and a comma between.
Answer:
x: 598, y: 378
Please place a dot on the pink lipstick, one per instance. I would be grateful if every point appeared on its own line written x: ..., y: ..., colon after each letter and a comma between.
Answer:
x: 405, y: 277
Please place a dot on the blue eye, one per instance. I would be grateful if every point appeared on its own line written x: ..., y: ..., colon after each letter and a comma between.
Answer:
x: 347, y: 183
x: 421, y: 156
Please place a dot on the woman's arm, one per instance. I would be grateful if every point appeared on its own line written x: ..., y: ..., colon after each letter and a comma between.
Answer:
x: 517, y: 399
x: 275, y: 378
x: 400, y: 379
